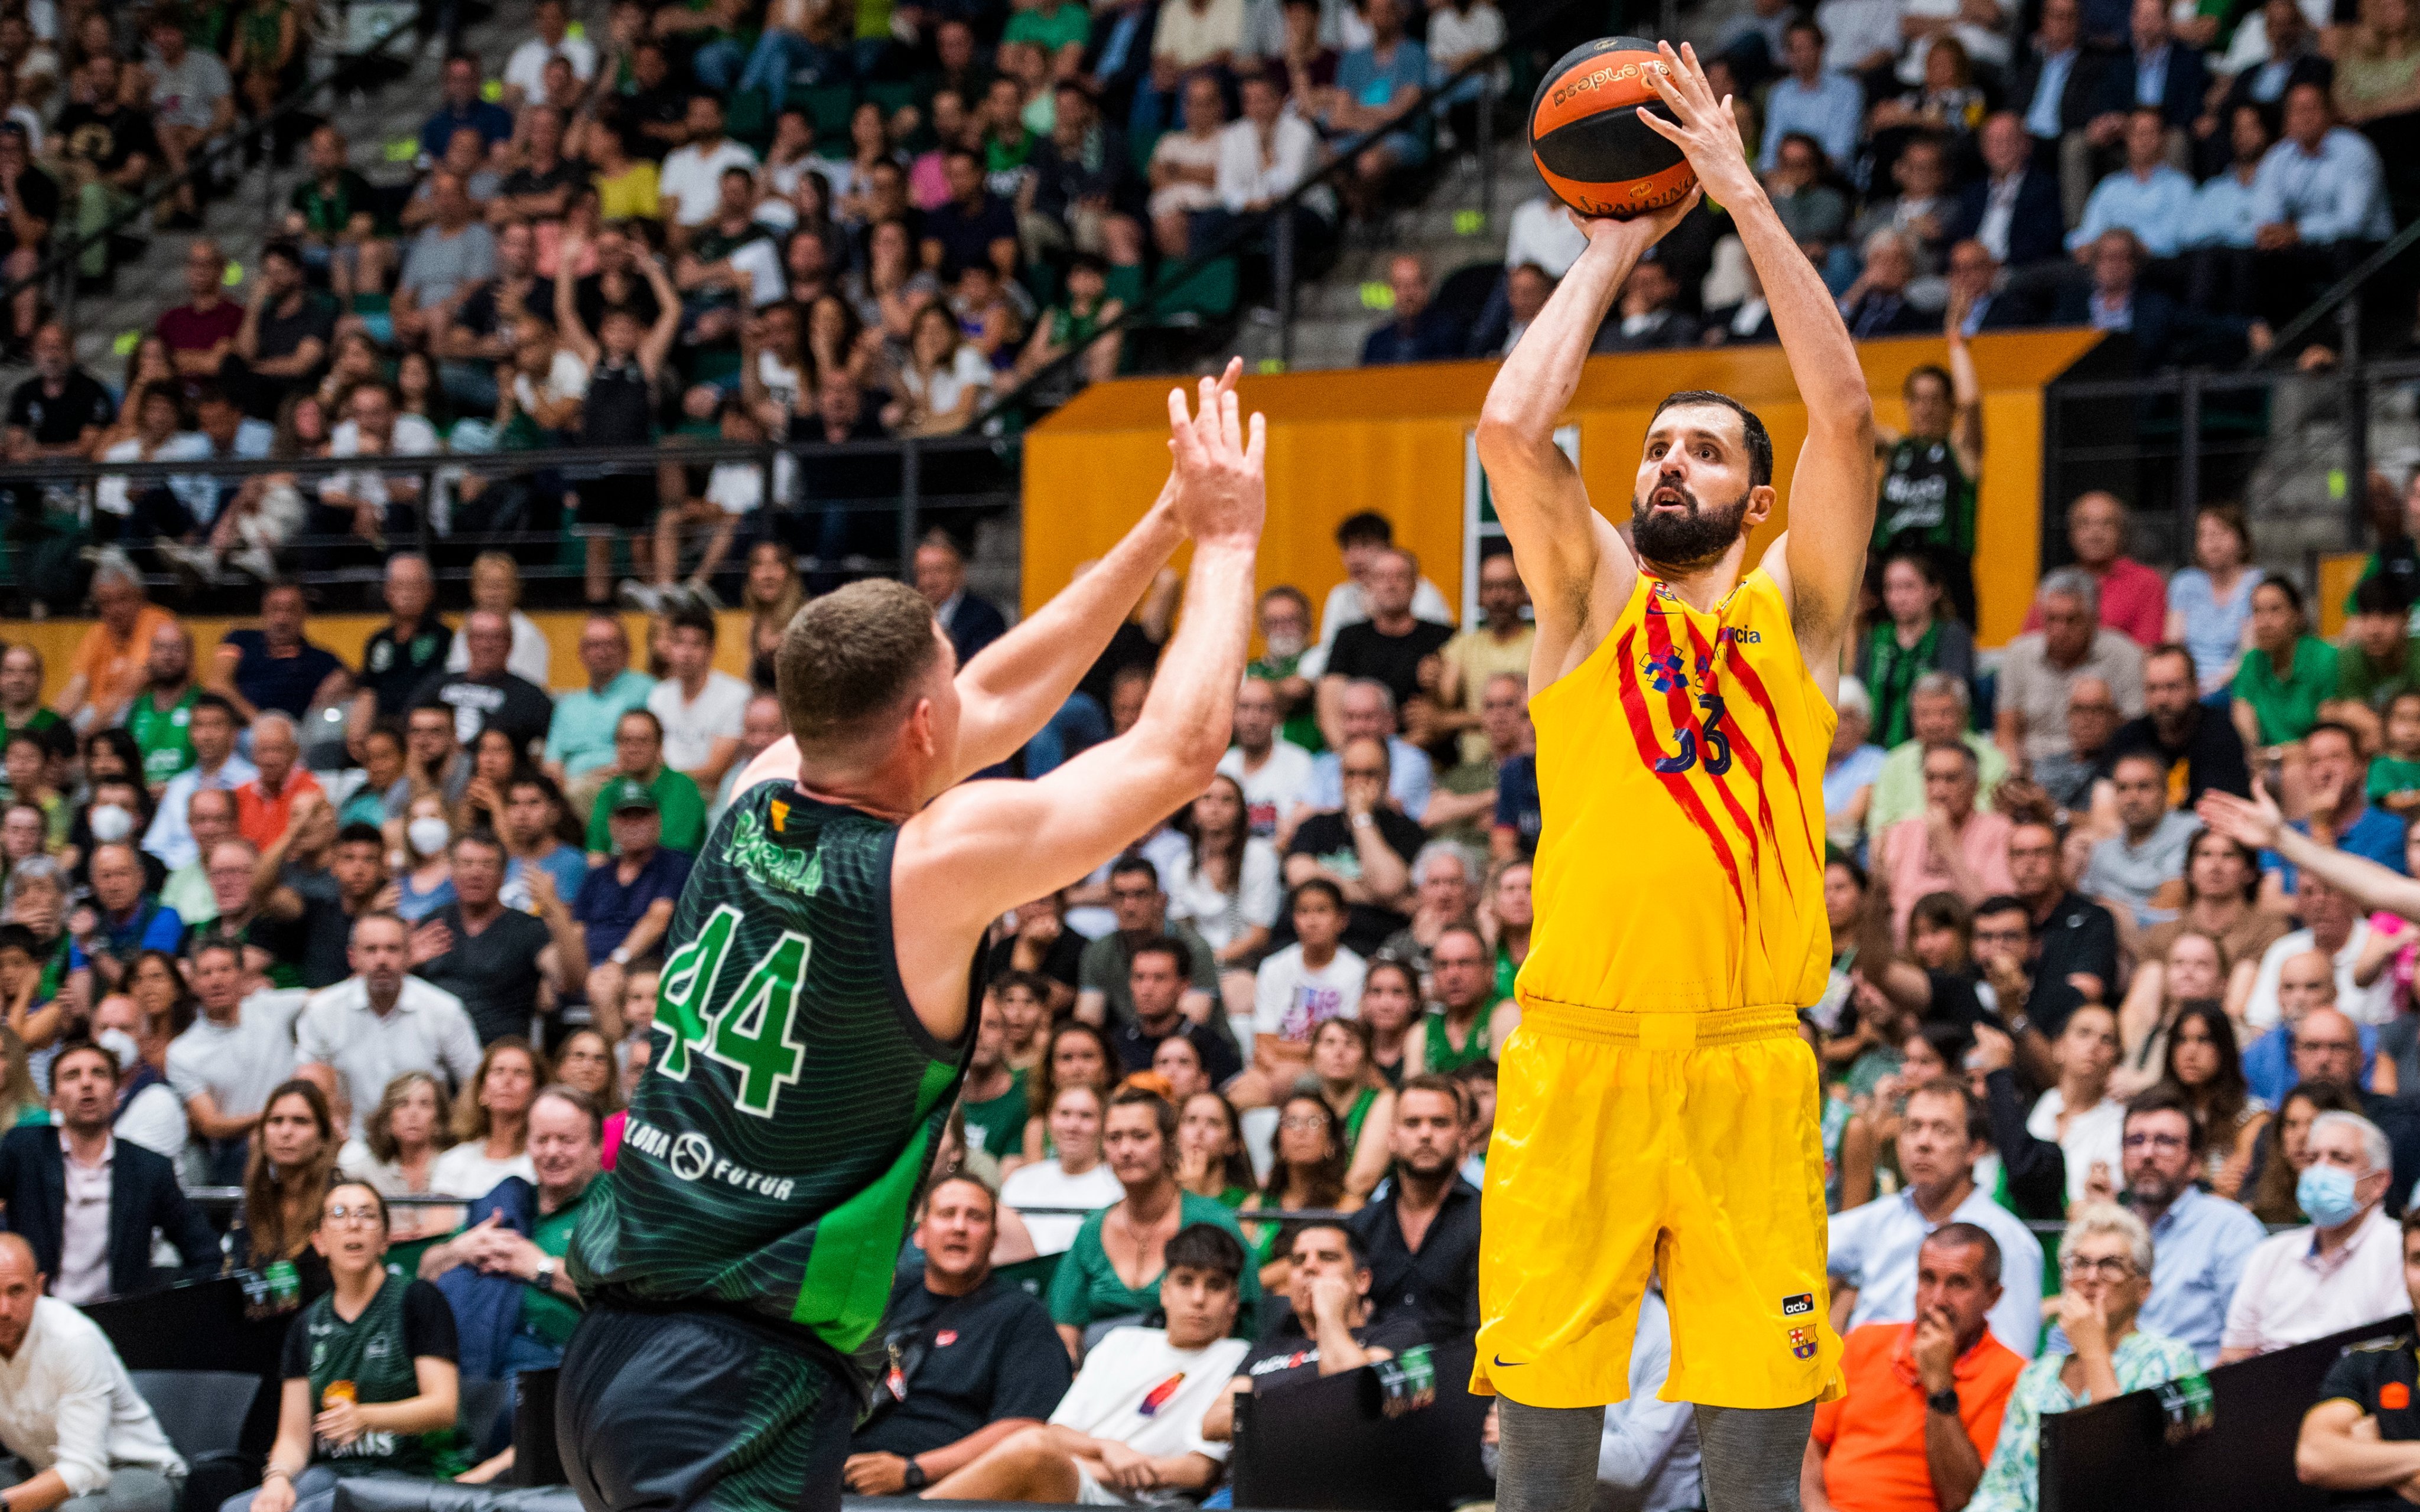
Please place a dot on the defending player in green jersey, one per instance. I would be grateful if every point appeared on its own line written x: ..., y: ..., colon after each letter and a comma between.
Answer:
x: 818, y: 996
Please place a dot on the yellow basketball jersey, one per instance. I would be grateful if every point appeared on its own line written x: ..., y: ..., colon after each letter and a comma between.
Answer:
x: 1680, y: 776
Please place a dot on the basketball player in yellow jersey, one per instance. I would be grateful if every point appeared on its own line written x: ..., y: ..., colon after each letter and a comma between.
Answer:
x: 1656, y: 1112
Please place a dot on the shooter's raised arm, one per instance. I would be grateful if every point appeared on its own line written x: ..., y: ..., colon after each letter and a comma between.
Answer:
x: 1832, y: 492
x: 1576, y: 563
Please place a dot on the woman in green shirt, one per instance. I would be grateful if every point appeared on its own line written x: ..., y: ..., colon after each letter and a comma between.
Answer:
x: 1111, y: 1273
x: 2288, y: 674
x: 371, y: 1381
x: 1340, y: 1057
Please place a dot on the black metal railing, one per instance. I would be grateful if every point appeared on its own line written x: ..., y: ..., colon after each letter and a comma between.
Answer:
x: 916, y: 482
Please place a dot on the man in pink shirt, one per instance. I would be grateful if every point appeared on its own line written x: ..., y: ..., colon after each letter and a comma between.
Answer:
x: 1949, y: 847
x: 2133, y: 598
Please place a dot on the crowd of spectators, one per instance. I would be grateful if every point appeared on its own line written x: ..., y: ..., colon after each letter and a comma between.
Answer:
x: 2187, y: 174
x: 736, y: 223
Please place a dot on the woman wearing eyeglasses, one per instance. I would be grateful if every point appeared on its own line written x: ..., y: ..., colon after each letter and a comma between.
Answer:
x: 370, y: 1377
x: 2105, y: 1263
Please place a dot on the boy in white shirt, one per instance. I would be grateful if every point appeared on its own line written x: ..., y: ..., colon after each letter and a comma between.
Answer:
x: 1128, y: 1432
x: 1297, y: 990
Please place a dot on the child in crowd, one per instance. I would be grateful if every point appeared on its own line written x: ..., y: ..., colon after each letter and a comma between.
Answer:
x: 2395, y: 773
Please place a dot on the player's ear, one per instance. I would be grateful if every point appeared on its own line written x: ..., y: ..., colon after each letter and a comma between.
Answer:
x: 1759, y: 503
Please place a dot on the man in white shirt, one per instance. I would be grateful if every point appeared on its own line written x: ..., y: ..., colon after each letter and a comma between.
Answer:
x: 690, y: 182
x: 1362, y: 540
x: 2345, y: 1269
x: 525, y: 70
x: 1873, y: 1248
x: 149, y: 1114
x: 237, y: 1052
x: 377, y: 428
x: 1274, y: 774
x: 379, y: 1023
x: 1543, y: 234
x: 1265, y: 154
x: 1649, y: 1457
x: 1128, y: 1431
x: 210, y: 728
x: 701, y: 709
x: 84, y: 1437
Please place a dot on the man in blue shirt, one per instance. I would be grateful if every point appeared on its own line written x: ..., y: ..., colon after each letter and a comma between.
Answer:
x: 1417, y: 333
x: 276, y: 667
x: 2198, y: 1241
x: 463, y: 107
x: 121, y: 923
x: 627, y: 905
x: 1828, y: 107
x: 2220, y: 227
x: 580, y: 738
x: 1373, y: 83
x: 2147, y: 196
x: 2319, y: 199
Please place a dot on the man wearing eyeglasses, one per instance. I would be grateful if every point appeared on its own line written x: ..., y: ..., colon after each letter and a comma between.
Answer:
x: 2345, y: 1269
x: 2201, y: 1241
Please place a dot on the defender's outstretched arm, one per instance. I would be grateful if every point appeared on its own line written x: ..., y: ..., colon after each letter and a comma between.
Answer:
x: 1578, y: 569
x: 1013, y: 686
x: 1823, y: 554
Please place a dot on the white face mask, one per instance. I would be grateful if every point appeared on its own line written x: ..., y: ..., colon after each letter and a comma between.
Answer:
x: 427, y: 834
x: 1282, y: 646
x: 111, y: 824
x: 121, y: 1045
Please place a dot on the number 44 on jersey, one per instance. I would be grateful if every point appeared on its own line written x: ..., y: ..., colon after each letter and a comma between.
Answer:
x: 753, y: 1031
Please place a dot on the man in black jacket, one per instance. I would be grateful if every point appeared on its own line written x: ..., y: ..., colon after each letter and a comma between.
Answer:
x: 88, y: 1202
x: 2013, y: 210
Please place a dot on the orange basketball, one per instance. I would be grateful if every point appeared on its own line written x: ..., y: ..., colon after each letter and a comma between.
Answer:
x: 1595, y: 152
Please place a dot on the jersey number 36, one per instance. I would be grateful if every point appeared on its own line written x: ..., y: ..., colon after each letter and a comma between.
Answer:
x: 753, y: 1031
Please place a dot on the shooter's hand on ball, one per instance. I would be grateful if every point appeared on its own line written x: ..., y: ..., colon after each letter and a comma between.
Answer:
x: 1706, y: 131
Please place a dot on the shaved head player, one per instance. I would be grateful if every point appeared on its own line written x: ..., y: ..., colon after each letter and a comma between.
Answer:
x: 815, y: 1015
x: 1656, y: 1110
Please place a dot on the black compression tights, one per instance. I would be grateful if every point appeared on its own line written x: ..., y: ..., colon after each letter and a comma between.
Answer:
x: 1549, y: 1454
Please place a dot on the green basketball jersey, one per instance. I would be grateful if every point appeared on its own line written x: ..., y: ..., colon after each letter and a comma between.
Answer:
x: 160, y: 734
x: 776, y: 1146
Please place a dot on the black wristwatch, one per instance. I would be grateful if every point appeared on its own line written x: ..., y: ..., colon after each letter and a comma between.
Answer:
x: 1942, y: 1402
x: 913, y: 1478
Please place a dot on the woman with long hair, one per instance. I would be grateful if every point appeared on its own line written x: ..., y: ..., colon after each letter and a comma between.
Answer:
x: 21, y: 1101
x: 1916, y: 637
x: 2284, y: 677
x: 1505, y: 918
x: 2378, y: 76
x: 38, y: 894
x: 424, y: 879
x: 1076, y: 1053
x: 2286, y: 1150
x: 1074, y: 1177
x: 354, y: 363
x: 495, y: 761
x: 1227, y: 885
x: 1391, y: 1005
x: 1177, y: 1062
x: 2202, y: 1058
x: 839, y: 344
x: 1210, y: 1157
x: 371, y: 1377
x: 398, y: 1150
x: 2222, y: 900
x: 1307, y: 1171
x: 491, y: 1121
x: 2209, y: 603
x: 942, y: 381
x: 2195, y: 967
x: 771, y: 595
x: 293, y: 1159
x: 584, y: 1061
x: 1358, y: 1096
x: 157, y: 984
x: 1113, y: 1269
x: 890, y: 288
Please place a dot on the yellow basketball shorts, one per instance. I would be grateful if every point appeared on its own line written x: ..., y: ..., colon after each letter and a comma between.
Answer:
x: 1687, y: 1144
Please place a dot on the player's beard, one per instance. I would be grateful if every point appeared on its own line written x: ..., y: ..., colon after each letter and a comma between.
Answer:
x: 1697, y: 538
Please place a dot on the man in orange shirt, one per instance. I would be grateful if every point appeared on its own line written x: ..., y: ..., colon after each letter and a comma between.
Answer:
x: 265, y: 805
x: 109, y: 667
x: 1925, y: 1399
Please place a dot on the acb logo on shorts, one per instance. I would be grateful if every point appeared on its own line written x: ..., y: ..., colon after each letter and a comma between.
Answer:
x: 1803, y: 1303
x: 1801, y: 1343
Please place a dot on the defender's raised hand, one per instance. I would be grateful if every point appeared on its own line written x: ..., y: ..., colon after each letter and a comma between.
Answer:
x: 1705, y: 130
x: 1222, y: 493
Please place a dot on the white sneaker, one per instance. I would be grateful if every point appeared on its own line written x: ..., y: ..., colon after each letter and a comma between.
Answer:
x: 196, y: 565
x: 639, y: 596
x: 701, y: 595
